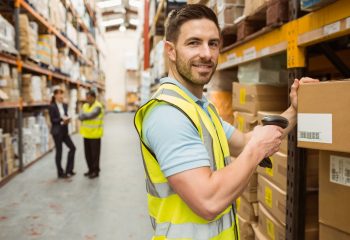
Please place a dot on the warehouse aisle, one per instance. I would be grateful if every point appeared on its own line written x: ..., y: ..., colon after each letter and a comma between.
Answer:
x: 36, y: 205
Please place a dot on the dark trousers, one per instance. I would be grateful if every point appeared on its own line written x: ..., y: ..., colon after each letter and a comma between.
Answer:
x: 92, y: 154
x: 59, y: 139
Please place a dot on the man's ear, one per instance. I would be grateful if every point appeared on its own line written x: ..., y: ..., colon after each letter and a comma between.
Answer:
x: 169, y: 48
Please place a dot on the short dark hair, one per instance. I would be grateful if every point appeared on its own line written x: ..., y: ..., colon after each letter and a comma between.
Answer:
x: 91, y: 93
x: 180, y: 16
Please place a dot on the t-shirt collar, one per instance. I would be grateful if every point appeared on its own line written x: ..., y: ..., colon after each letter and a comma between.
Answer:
x: 202, y: 102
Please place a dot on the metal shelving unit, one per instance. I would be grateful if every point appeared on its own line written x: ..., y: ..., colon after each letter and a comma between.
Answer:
x: 328, y: 23
x: 32, y: 67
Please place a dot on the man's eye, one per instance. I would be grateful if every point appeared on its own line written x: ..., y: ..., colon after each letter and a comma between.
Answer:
x: 193, y: 43
x: 214, y: 44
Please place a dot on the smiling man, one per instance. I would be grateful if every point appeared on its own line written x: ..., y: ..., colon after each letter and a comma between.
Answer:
x: 191, y: 183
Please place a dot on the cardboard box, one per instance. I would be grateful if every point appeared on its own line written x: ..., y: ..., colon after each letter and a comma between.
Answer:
x: 248, y: 211
x: 323, y: 118
x: 278, y: 173
x: 334, y: 190
x: 246, y: 231
x: 254, y: 98
x: 250, y: 192
x: 258, y: 234
x: 329, y: 233
x: 273, y: 198
x: 245, y: 122
x: 229, y: 13
x: 269, y: 226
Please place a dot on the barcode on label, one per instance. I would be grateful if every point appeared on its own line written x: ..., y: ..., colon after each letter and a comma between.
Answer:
x: 309, y: 135
x: 340, y: 170
x: 335, y: 175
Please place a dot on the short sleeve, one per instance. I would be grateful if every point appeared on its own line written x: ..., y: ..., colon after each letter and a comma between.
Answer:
x: 228, y: 128
x: 174, y: 140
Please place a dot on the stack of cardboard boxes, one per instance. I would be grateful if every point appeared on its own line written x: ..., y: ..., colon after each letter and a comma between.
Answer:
x: 34, y: 88
x: 323, y: 119
x: 252, y: 94
x: 28, y: 36
x: 8, y: 83
x: 8, y: 163
x: 229, y: 11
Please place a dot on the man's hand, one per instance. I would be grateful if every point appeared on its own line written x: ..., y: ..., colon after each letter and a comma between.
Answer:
x: 266, y: 140
x: 294, y: 90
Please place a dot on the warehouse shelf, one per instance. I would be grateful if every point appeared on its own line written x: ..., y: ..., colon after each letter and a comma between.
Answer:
x: 54, y: 30
x: 81, y: 23
x: 31, y: 66
x: 315, y: 27
x: 90, y: 11
x: 6, y: 179
x: 9, y: 105
x: 161, y: 5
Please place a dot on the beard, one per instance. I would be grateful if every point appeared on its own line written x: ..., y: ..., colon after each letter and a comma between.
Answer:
x: 189, y: 74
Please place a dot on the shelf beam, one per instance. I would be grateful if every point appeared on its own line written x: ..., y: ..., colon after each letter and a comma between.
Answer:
x: 53, y: 30
x: 315, y: 27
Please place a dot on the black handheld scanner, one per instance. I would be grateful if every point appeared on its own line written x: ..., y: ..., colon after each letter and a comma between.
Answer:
x: 277, y: 121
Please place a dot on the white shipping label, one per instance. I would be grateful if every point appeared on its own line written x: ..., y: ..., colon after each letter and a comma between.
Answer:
x: 232, y: 56
x: 314, y: 127
x: 249, y: 54
x: 348, y: 22
x: 331, y: 28
x: 265, y: 51
x: 339, y: 171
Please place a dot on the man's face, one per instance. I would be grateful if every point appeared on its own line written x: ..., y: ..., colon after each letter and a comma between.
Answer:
x: 90, y: 99
x: 197, y: 51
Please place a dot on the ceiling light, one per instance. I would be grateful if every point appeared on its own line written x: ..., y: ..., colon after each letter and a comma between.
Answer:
x: 135, y: 3
x: 113, y: 22
x: 122, y: 28
x: 134, y: 21
x: 109, y: 3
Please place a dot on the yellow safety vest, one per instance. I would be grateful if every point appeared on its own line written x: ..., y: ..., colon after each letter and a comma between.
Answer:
x: 92, y: 128
x: 171, y: 218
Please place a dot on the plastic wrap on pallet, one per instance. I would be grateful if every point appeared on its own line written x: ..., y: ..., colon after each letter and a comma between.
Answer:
x: 42, y: 6
x: 57, y: 14
x: 7, y: 36
x: 72, y: 33
x: 312, y: 5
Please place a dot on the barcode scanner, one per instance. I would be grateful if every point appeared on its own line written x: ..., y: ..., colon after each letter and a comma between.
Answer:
x: 277, y: 121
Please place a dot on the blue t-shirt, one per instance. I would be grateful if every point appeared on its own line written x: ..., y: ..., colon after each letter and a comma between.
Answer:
x: 173, y: 138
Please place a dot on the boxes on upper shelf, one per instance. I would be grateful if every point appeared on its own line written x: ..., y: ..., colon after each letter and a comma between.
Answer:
x: 42, y: 6
x: 323, y: 116
x: 252, y: 6
x: 254, y: 98
x: 222, y: 3
x: 28, y: 36
x: 57, y: 14
x: 229, y: 13
x: 334, y: 193
x: 312, y: 5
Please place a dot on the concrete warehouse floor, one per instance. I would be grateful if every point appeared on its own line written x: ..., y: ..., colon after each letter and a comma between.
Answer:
x: 36, y: 205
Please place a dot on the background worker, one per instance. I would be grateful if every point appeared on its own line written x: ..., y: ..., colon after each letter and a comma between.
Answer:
x: 186, y: 147
x: 59, y: 130
x: 92, y: 131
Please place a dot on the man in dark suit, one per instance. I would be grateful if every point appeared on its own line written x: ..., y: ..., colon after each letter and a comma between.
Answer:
x: 60, y: 120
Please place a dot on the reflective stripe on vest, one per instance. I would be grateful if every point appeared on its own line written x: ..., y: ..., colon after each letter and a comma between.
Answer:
x: 92, y: 128
x: 170, y: 216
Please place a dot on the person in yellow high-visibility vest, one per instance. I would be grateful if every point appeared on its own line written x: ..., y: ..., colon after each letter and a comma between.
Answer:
x: 92, y: 131
x: 191, y: 182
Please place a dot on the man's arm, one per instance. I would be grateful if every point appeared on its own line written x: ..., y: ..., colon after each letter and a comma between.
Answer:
x: 208, y: 193
x: 90, y: 115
